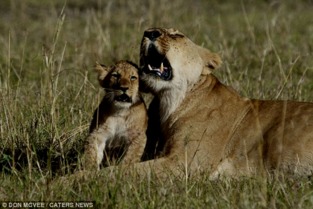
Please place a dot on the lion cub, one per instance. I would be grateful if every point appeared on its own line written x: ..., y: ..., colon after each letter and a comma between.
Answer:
x: 118, y: 128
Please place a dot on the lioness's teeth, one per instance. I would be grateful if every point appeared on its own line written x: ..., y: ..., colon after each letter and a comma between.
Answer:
x: 161, y: 68
x: 150, y: 68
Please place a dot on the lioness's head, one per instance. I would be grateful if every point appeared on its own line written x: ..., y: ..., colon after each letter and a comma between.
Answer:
x: 170, y: 60
x: 120, y: 82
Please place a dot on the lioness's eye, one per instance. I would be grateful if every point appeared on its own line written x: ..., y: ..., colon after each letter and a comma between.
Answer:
x: 177, y: 35
x: 132, y: 78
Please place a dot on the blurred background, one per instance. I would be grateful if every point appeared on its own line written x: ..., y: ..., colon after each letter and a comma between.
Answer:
x: 248, y: 34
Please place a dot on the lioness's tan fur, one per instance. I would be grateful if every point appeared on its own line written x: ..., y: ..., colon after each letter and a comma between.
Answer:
x: 208, y: 126
x: 117, y: 126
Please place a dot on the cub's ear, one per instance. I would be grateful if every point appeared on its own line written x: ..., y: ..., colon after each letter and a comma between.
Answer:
x: 212, y: 60
x: 102, y: 71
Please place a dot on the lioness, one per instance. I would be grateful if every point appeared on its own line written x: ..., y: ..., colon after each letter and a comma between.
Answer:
x: 206, y: 125
x: 119, y: 124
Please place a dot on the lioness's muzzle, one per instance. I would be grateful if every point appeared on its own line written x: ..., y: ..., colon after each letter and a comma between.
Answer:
x: 152, y: 34
x: 153, y: 61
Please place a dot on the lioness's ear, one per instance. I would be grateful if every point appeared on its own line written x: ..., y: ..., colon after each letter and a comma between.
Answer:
x: 102, y: 71
x: 212, y: 60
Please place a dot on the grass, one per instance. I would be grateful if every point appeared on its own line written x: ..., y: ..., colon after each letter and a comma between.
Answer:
x: 48, y: 91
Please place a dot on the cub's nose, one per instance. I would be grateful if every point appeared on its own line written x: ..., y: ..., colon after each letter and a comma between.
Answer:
x: 124, y: 89
x: 152, y: 34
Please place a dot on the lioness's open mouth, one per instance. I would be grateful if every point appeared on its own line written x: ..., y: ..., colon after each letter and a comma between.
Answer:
x: 157, y: 64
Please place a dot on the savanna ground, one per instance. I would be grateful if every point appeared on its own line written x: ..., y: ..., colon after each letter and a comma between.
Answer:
x: 48, y: 92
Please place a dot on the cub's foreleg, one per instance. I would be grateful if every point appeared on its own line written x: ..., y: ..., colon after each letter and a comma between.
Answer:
x: 94, y: 148
x: 136, y: 148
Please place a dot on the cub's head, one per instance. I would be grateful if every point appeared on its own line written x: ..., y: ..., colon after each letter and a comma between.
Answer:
x: 170, y: 60
x: 120, y: 82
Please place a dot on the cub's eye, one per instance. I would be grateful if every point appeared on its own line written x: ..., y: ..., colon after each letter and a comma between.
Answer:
x: 115, y: 75
x: 132, y: 78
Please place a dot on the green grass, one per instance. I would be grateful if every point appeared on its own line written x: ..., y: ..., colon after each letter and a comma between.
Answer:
x: 48, y: 91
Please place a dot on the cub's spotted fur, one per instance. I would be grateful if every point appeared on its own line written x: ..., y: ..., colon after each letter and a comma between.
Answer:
x: 117, y: 130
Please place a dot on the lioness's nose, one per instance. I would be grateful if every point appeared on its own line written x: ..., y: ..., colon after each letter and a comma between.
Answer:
x: 152, y: 34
